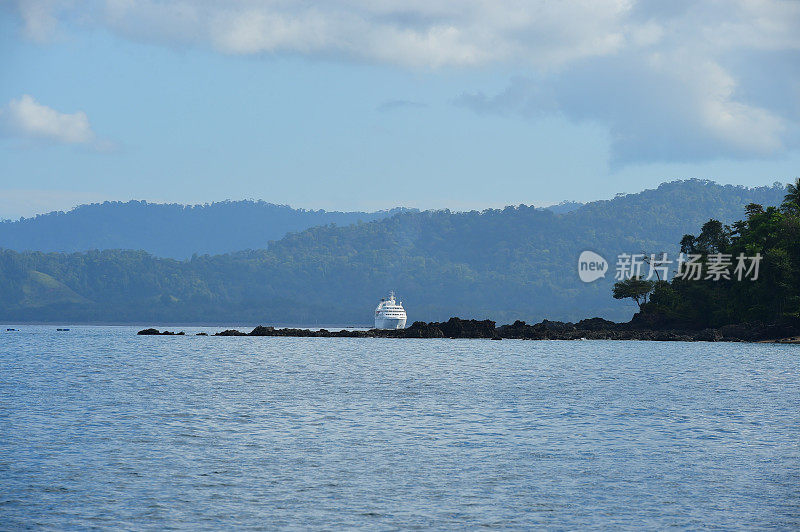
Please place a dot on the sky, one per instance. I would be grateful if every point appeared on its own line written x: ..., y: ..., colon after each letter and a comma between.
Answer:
x: 363, y: 105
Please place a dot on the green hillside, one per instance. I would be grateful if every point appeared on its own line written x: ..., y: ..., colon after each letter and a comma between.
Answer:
x: 506, y: 264
x: 169, y: 230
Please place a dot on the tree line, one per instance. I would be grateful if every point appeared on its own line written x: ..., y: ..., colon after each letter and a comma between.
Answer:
x: 506, y: 264
x: 769, y: 290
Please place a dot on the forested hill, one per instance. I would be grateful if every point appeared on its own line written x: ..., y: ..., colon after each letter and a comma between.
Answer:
x: 169, y: 230
x: 506, y: 264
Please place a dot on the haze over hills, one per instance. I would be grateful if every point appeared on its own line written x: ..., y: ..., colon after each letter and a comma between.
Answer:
x: 178, y: 231
x: 170, y: 230
x: 504, y: 264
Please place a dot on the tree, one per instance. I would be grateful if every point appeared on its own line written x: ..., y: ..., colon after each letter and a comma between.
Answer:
x: 773, y: 295
x: 754, y: 209
x: 714, y: 237
x: 791, y: 202
x: 635, y: 288
x: 656, y: 262
x: 688, y: 244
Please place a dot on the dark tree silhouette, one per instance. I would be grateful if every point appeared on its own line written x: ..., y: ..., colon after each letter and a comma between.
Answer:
x: 634, y: 288
x: 791, y: 202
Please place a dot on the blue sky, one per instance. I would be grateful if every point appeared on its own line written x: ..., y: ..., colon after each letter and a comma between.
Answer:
x: 361, y: 105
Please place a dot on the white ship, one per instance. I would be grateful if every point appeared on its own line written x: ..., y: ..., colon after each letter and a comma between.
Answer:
x: 390, y: 314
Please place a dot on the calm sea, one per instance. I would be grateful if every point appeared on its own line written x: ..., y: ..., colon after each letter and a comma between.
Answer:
x: 100, y: 428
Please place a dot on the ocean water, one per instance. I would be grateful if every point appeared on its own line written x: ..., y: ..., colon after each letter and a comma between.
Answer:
x: 100, y: 428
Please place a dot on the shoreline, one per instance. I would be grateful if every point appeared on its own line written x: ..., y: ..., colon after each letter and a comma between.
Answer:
x: 590, y: 329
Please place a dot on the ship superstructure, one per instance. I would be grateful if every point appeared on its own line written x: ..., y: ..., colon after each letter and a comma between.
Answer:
x: 390, y: 314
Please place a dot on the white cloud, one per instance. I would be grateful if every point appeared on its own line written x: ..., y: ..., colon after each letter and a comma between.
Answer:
x: 39, y: 19
x: 670, y: 80
x: 426, y: 33
x: 412, y: 33
x: 656, y: 108
x: 28, y: 118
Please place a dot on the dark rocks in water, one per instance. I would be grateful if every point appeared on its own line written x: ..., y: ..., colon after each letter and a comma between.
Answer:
x: 756, y: 332
x: 595, y: 324
x: 659, y: 320
x: 156, y: 332
x: 452, y: 328
x: 643, y: 328
x: 708, y: 335
x: 791, y: 340
x: 515, y: 330
x: 546, y: 330
x: 588, y: 329
x: 458, y: 328
x: 230, y: 332
x: 418, y: 329
x: 304, y: 333
x: 202, y: 334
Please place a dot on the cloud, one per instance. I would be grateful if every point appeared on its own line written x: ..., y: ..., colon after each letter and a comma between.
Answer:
x: 536, y: 33
x: 655, y: 108
x: 695, y: 81
x: 415, y: 33
x: 670, y: 81
x: 39, y: 19
x: 26, y: 117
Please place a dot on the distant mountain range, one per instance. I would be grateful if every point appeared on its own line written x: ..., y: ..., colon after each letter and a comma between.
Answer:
x: 170, y: 230
x: 178, y: 231
x: 504, y: 264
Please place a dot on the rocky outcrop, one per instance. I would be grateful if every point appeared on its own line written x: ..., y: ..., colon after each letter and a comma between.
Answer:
x: 420, y: 329
x: 452, y: 328
x: 588, y: 329
x: 231, y: 332
x: 156, y: 332
x: 792, y: 340
x: 756, y: 332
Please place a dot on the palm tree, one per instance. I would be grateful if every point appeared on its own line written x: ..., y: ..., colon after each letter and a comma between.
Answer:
x: 791, y: 202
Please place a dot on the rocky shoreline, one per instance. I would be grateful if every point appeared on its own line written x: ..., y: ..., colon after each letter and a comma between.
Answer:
x: 589, y: 329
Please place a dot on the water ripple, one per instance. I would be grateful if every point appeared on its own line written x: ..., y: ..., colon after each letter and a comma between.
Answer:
x: 100, y: 428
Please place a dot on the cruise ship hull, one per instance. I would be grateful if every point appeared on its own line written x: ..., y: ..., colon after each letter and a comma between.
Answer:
x: 390, y: 323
